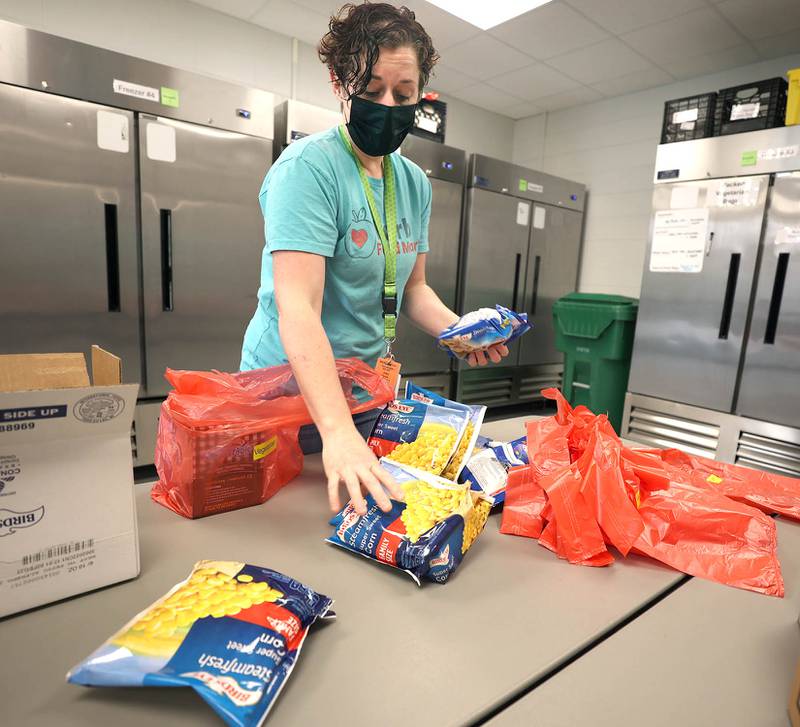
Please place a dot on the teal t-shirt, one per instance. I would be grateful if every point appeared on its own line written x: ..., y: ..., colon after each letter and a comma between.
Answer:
x: 313, y: 201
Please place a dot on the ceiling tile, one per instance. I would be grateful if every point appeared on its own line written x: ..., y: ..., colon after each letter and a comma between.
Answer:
x: 739, y: 55
x: 323, y: 7
x: 548, y: 31
x: 292, y: 20
x: 633, y: 82
x: 445, y: 29
x: 533, y: 82
x: 486, y: 97
x: 448, y: 80
x: 523, y: 110
x: 237, y: 8
x: 779, y: 45
x: 484, y: 57
x: 621, y: 16
x: 566, y: 99
x: 693, y: 34
x: 600, y: 62
x: 756, y: 20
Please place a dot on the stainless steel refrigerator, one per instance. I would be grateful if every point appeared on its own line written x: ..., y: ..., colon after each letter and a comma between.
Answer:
x: 445, y: 166
x: 520, y: 248
x: 128, y: 194
x: 716, y: 358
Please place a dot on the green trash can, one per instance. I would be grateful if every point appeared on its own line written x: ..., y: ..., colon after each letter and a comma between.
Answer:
x: 595, y: 334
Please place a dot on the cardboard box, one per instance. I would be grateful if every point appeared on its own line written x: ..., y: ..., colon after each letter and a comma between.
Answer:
x: 67, y: 512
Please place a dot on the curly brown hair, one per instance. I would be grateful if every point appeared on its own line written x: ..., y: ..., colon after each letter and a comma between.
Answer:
x: 356, y: 34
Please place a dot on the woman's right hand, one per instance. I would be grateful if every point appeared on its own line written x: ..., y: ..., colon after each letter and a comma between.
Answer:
x: 347, y: 459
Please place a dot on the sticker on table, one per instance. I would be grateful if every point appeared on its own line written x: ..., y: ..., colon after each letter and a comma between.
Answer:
x: 126, y: 88
x: 523, y: 213
x: 679, y: 239
x: 160, y: 142
x: 539, y: 217
x: 112, y: 131
x: 684, y: 197
x: 788, y: 236
x: 740, y: 192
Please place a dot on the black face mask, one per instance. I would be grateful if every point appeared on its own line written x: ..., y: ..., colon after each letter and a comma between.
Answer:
x: 377, y: 129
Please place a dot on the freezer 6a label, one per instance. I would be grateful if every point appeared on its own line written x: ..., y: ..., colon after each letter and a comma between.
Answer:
x: 99, y: 408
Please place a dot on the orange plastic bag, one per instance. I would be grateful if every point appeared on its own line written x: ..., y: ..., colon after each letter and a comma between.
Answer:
x: 768, y: 492
x: 227, y: 441
x: 583, y: 490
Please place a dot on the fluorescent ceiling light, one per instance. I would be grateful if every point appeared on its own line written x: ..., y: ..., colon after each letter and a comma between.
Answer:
x: 486, y: 14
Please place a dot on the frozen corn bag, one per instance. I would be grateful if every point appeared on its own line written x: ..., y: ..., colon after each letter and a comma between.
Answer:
x: 480, y: 329
x: 471, y: 432
x: 417, y: 434
x: 427, y: 535
x: 231, y: 631
x: 487, y: 469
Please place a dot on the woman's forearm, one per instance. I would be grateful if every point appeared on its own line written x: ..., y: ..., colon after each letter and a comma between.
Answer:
x: 425, y: 309
x: 311, y: 358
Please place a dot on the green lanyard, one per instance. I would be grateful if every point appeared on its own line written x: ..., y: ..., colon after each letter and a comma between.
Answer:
x: 389, y: 245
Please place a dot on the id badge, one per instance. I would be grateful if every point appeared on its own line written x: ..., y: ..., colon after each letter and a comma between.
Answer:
x: 388, y: 369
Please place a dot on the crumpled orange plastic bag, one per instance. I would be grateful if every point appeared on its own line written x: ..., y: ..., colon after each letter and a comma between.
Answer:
x: 583, y: 490
x: 227, y: 441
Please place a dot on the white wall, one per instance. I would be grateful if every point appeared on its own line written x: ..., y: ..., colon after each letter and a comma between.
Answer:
x: 193, y: 37
x: 610, y: 146
x: 477, y: 130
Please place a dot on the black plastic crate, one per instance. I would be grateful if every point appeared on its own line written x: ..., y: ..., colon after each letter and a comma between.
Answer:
x: 430, y: 120
x: 751, y: 107
x: 689, y: 118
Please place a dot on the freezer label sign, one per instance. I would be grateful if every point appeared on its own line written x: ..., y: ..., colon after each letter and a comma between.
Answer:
x: 679, y: 240
x: 788, y: 236
x: 736, y: 193
x: 11, y: 520
x: 146, y: 93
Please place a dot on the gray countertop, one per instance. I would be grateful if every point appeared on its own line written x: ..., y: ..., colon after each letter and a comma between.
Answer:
x: 706, y: 655
x: 396, y: 655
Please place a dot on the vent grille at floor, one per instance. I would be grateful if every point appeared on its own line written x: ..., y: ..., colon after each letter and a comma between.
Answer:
x: 488, y: 391
x: 658, y: 429
x: 770, y: 455
x: 530, y: 387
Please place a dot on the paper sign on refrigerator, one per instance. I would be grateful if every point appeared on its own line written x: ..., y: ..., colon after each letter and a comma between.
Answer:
x: 679, y: 240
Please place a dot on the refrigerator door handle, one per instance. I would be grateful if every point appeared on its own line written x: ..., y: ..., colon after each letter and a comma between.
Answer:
x: 536, y: 266
x: 710, y: 243
x: 517, y: 265
x: 167, y: 300
x: 112, y: 257
x: 730, y: 295
x: 776, y: 298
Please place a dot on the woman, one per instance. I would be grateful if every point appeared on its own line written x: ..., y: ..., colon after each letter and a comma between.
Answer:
x: 326, y: 281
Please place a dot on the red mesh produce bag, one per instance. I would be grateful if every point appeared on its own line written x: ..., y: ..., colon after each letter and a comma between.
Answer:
x: 227, y: 441
x: 583, y: 490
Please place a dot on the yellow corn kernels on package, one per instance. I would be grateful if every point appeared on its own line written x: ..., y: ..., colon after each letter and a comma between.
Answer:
x: 426, y: 535
x: 420, y: 435
x: 231, y: 631
x: 466, y: 443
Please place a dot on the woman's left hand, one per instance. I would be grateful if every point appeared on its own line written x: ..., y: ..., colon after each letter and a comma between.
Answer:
x: 495, y: 354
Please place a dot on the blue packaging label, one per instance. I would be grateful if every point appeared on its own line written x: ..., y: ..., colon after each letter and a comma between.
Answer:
x: 231, y: 631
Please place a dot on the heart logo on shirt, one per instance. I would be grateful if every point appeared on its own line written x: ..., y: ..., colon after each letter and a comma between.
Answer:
x: 359, y: 237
